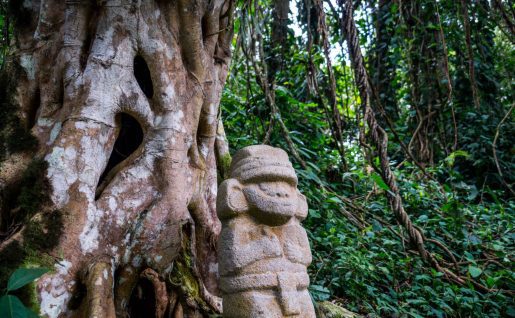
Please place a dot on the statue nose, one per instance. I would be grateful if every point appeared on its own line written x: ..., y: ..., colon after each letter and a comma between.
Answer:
x: 282, y: 194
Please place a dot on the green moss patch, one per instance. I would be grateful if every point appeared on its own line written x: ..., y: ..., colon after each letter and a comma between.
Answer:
x: 326, y: 309
x: 225, y: 163
x: 183, y: 278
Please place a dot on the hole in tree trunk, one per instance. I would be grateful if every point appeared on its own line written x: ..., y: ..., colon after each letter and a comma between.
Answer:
x: 86, y: 50
x: 142, y: 74
x: 92, y: 18
x: 143, y: 300
x: 78, y: 296
x: 204, y: 27
x: 128, y: 140
x: 33, y: 110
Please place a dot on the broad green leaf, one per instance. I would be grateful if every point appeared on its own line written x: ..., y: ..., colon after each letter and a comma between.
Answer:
x: 376, y: 226
x: 12, y: 307
x: 474, y: 271
x: 335, y: 200
x: 490, y: 282
x: 319, y: 292
x: 423, y: 218
x: 452, y: 157
x: 379, y: 181
x: 23, y: 276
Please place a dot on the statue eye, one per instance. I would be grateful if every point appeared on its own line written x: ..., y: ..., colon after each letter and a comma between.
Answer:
x: 262, y: 187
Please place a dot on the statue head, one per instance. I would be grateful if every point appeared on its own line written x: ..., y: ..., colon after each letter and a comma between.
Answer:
x: 263, y: 185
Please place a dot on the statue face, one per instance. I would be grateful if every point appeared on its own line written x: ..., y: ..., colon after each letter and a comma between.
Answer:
x: 272, y: 203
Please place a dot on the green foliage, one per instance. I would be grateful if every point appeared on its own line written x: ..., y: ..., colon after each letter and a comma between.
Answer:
x: 360, y: 256
x: 6, y: 33
x: 10, y: 305
x: 373, y: 271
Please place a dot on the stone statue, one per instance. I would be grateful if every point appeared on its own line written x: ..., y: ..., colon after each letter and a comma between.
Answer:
x: 263, y: 251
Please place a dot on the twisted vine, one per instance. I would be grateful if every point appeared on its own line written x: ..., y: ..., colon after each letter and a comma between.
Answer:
x: 379, y: 139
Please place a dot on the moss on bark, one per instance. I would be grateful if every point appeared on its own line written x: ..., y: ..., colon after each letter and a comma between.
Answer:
x: 225, y: 163
x: 326, y: 309
x: 184, y: 278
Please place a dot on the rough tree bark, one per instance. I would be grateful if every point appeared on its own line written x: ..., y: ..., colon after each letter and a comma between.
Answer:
x: 122, y: 96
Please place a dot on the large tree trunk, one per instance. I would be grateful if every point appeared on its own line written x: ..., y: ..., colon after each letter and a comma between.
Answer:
x: 123, y: 99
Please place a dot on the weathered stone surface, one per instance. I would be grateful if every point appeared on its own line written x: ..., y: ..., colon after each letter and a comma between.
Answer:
x: 263, y: 250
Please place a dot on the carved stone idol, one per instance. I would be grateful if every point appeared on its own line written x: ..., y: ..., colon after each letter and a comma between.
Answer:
x: 263, y: 250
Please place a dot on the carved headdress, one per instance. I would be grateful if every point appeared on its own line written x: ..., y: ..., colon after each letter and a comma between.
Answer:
x: 262, y: 163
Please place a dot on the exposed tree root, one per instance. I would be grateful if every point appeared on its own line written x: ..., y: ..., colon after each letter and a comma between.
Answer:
x: 99, y: 283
